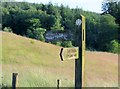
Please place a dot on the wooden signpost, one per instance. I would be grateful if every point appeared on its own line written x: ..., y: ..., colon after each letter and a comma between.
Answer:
x: 77, y: 53
x: 79, y: 64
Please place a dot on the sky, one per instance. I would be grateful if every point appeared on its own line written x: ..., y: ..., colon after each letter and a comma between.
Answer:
x: 88, y: 5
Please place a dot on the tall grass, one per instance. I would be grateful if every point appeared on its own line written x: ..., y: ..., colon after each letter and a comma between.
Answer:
x: 38, y: 64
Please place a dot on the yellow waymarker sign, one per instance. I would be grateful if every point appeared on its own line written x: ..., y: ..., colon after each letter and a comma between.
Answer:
x: 69, y: 53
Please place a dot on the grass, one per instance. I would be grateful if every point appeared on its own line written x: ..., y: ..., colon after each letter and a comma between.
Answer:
x: 39, y: 65
x: 101, y: 69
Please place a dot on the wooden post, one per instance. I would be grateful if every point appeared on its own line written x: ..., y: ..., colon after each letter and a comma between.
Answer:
x: 83, y: 49
x: 58, y: 83
x: 14, y: 80
x: 79, y: 63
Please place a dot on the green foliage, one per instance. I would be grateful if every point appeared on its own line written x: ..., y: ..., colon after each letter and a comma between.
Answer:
x: 33, y: 20
x: 36, y: 33
x: 112, y: 7
x: 33, y: 23
x: 57, y: 43
x: 57, y: 25
x: 67, y: 44
x: 7, y: 29
x: 39, y: 32
x: 63, y: 43
x: 107, y: 31
x: 114, y: 47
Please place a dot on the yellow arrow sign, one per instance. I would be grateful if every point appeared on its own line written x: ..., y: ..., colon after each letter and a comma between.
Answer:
x: 69, y: 53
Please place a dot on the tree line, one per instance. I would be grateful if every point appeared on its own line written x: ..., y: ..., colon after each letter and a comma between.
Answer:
x: 34, y: 20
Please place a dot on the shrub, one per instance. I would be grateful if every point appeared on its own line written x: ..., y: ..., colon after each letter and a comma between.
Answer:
x: 67, y: 44
x: 113, y: 47
x: 37, y: 33
x: 57, y: 43
x: 7, y: 29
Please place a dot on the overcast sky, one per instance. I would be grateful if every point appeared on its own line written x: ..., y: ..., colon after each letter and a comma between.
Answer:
x: 90, y: 5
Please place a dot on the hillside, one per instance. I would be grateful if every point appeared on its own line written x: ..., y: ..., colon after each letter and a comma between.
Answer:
x: 35, y: 19
x: 39, y: 64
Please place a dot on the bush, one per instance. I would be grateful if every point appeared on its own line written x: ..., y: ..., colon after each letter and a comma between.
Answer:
x: 7, y: 29
x: 37, y: 33
x: 113, y: 47
x: 67, y: 44
x: 57, y: 43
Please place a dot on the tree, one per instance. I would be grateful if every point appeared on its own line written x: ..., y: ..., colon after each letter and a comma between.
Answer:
x: 33, y: 20
x: 37, y: 33
x: 67, y: 18
x: 34, y: 30
x: 33, y: 23
x: 113, y: 46
x: 51, y: 10
x: 112, y: 7
x: 57, y: 25
x: 107, y: 31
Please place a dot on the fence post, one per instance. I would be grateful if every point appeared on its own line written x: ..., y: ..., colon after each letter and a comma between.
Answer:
x: 58, y: 83
x: 14, y: 80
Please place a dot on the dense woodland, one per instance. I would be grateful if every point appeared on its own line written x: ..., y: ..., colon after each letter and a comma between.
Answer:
x: 34, y: 20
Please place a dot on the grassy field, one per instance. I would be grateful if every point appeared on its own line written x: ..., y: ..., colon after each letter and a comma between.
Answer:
x: 39, y: 65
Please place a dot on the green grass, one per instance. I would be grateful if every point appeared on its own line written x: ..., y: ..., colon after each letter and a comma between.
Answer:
x: 38, y: 64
